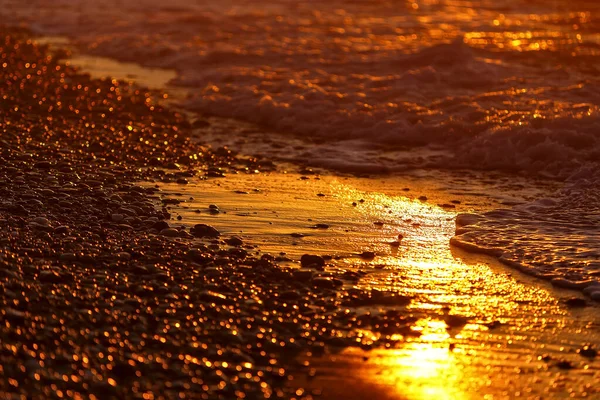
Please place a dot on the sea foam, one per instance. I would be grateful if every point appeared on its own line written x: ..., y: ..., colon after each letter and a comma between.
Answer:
x: 505, y: 85
x: 556, y: 238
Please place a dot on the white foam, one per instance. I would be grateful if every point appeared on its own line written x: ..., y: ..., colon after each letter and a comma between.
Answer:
x: 557, y: 239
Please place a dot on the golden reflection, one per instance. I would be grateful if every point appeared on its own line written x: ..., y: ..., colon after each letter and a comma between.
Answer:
x: 419, y: 371
x: 473, y: 321
x: 462, y: 297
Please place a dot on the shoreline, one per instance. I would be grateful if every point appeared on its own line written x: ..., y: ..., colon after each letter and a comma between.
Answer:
x: 147, y: 268
x: 501, y: 309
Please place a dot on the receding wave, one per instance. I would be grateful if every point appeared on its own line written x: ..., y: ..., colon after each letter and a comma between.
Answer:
x: 556, y: 238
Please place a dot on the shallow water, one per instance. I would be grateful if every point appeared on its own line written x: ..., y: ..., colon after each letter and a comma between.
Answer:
x: 552, y: 238
x: 510, y: 321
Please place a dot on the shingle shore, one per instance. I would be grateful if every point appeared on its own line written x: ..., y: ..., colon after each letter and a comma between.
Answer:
x: 101, y: 295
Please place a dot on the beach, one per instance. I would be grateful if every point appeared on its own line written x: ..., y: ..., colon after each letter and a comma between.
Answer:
x: 161, y: 244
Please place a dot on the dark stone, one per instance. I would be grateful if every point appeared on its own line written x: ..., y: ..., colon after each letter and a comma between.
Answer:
x: 455, y: 321
x: 302, y: 275
x: 14, y: 316
x: 309, y: 260
x: 50, y: 277
x: 171, y: 201
x: 576, y: 302
x: 161, y: 225
x: 61, y: 229
x: 564, y: 364
x: 320, y: 226
x: 203, y: 230
x: 327, y: 283
x: 234, y: 241
x: 588, y: 351
x: 367, y: 255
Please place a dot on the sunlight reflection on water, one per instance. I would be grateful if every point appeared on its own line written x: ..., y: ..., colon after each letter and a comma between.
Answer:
x: 477, y: 321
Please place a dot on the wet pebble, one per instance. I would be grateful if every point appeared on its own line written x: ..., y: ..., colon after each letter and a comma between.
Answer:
x: 588, y: 351
x: 50, y: 276
x: 576, y: 302
x: 367, y: 255
x: 203, y: 230
x: 327, y: 282
x: 234, y: 241
x: 311, y: 261
x: 169, y: 232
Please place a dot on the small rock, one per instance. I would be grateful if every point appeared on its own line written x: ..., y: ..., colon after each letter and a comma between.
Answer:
x: 493, y: 324
x: 14, y: 315
x: 367, y: 255
x: 576, y: 302
x: 455, y: 321
x: 214, y: 297
x: 564, y: 364
x: 61, y: 229
x: 320, y: 226
x: 595, y: 295
x: 328, y: 283
x: 50, y: 276
x: 302, y: 275
x: 234, y: 241
x: 68, y: 257
x: 203, y: 230
x: 41, y: 221
x: 588, y: 351
x: 309, y: 260
x: 171, y: 201
x: 123, y: 256
x: 43, y: 164
x: 160, y: 225
x: 289, y: 295
x: 169, y: 232
x: 446, y: 205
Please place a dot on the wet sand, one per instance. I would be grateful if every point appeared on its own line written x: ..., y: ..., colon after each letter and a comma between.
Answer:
x: 480, y: 327
x: 423, y: 320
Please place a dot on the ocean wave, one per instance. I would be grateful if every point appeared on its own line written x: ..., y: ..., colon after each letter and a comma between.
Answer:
x: 508, y: 85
